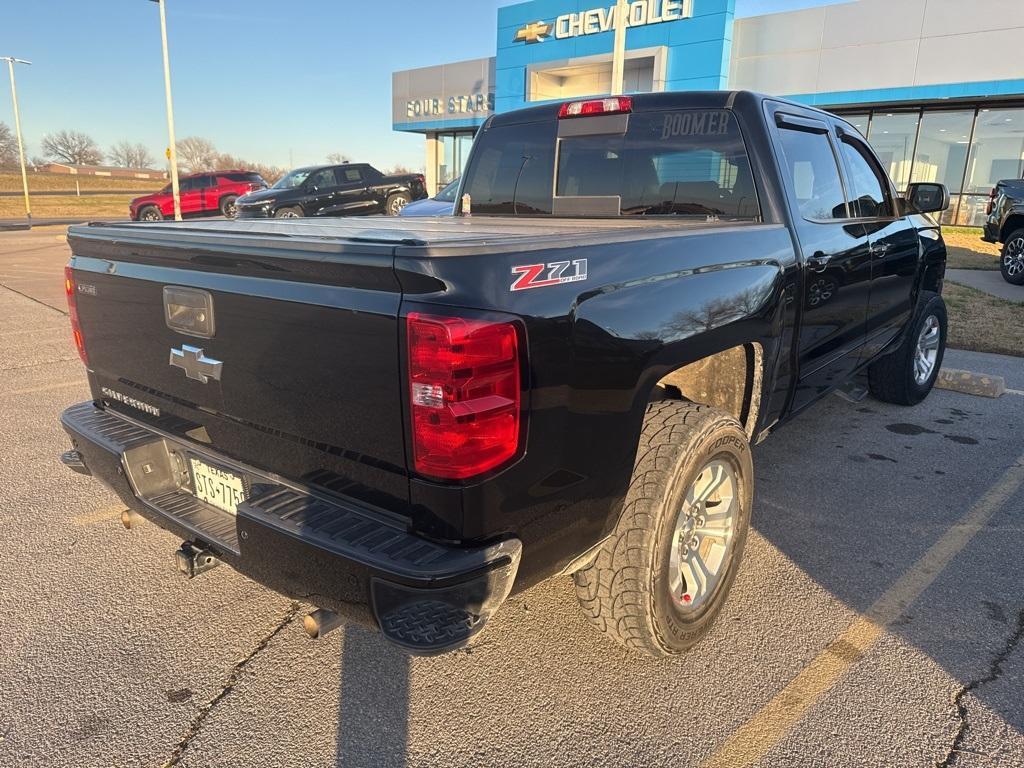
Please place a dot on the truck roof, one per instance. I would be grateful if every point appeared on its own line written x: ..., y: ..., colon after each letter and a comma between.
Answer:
x: 644, y: 102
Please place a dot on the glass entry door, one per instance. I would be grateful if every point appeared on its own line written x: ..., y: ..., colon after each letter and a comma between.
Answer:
x: 452, y: 153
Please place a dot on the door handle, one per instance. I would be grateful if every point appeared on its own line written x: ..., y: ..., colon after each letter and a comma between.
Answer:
x: 878, y: 250
x: 818, y: 262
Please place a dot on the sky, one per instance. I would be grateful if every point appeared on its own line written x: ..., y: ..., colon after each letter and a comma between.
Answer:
x: 281, y: 83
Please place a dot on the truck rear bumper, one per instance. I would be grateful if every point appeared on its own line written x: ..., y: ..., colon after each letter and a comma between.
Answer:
x: 424, y: 596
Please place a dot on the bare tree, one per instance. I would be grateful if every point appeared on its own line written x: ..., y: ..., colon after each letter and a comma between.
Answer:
x: 72, y: 147
x: 197, y: 154
x: 128, y: 155
x: 8, y: 147
x: 400, y: 170
x: 338, y: 158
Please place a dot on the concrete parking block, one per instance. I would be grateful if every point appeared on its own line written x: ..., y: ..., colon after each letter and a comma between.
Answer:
x: 970, y: 383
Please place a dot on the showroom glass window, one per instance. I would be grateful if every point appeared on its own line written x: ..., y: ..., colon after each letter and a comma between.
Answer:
x: 859, y: 121
x: 452, y: 153
x: 892, y: 136
x: 941, y: 155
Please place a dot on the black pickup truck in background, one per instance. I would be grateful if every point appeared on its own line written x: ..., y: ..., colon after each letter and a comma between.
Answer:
x: 1005, y: 225
x: 404, y: 420
x: 349, y: 189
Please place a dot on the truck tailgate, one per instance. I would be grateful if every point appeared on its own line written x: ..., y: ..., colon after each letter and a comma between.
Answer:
x: 305, y: 331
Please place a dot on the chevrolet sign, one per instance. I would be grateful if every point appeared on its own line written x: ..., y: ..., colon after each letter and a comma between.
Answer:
x: 597, y: 20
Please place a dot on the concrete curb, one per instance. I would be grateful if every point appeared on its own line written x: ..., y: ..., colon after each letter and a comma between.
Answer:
x: 971, y: 383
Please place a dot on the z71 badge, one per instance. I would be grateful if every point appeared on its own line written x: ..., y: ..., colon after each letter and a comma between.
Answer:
x: 552, y: 273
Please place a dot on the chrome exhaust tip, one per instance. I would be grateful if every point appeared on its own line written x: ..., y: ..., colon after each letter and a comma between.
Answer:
x: 320, y: 622
x: 131, y: 519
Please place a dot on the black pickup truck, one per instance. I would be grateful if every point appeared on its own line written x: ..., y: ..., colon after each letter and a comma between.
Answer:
x: 404, y: 421
x: 1005, y: 225
x: 349, y: 189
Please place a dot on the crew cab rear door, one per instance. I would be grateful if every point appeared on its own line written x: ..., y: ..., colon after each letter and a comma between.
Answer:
x: 835, y: 250
x: 894, y: 242
x: 352, y: 195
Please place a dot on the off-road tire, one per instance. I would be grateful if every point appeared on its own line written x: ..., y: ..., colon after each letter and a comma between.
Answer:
x: 1009, y: 255
x: 624, y: 591
x: 288, y: 212
x: 150, y: 213
x: 227, y: 206
x: 891, y: 378
x: 396, y: 202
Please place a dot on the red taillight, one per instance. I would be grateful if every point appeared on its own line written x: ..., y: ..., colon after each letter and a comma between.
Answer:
x: 464, y: 394
x: 76, y: 326
x: 614, y: 105
x: 991, y: 201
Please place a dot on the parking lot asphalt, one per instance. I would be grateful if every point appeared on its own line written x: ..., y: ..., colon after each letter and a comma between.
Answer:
x: 877, y: 618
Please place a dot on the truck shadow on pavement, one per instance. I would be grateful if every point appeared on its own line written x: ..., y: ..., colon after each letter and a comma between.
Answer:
x: 373, y: 701
x: 848, y: 498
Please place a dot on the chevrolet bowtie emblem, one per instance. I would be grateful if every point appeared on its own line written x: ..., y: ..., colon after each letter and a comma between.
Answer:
x: 195, y: 364
x: 533, y: 32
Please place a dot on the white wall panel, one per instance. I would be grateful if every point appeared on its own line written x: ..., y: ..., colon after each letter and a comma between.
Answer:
x: 857, y: 67
x: 861, y: 22
x: 956, y: 17
x: 778, y: 33
x: 971, y: 58
x: 784, y: 73
x: 870, y: 44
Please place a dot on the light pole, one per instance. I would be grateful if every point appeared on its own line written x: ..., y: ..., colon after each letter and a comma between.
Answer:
x: 619, y: 46
x: 172, y: 150
x: 11, y: 61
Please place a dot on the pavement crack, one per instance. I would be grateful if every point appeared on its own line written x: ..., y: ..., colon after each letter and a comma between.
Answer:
x: 995, y: 670
x: 229, y: 684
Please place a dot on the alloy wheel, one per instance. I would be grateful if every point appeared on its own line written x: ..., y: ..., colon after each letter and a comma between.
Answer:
x: 1013, y: 258
x: 704, y: 535
x: 927, y: 353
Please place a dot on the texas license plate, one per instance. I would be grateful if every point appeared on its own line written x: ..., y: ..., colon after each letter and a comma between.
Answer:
x: 215, y: 486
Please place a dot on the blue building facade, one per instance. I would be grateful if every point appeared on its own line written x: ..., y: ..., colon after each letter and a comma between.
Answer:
x: 696, y: 38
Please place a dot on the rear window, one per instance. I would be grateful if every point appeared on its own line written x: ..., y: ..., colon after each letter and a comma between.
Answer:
x: 678, y: 163
x: 252, y: 178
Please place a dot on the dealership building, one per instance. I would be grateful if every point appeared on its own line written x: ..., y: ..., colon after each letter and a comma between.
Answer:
x: 937, y: 86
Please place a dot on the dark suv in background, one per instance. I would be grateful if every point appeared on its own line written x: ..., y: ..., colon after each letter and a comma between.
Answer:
x: 202, y: 194
x: 350, y: 189
x: 1005, y: 225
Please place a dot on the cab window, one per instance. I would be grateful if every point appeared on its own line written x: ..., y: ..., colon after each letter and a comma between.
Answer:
x: 813, y: 173
x: 322, y: 179
x: 867, y: 191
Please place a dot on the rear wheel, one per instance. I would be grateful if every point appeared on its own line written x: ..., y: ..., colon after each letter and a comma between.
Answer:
x: 150, y: 213
x: 228, y: 208
x: 288, y: 213
x: 661, y: 579
x: 396, y: 203
x: 1012, y: 262
x: 906, y: 376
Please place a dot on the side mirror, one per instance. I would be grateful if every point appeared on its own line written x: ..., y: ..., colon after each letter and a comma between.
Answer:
x: 927, y: 198
x: 312, y: 189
